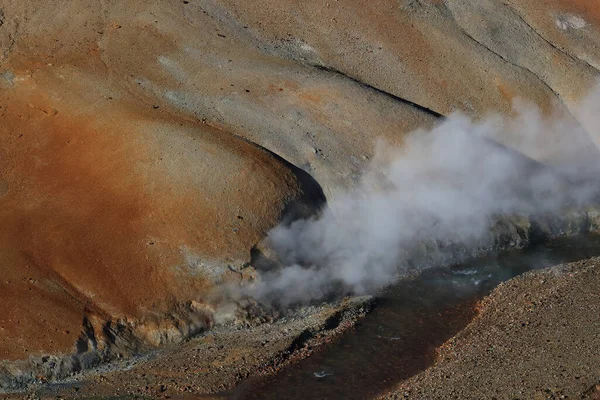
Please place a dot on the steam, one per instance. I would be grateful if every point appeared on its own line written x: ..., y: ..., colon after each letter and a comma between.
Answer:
x: 442, y: 187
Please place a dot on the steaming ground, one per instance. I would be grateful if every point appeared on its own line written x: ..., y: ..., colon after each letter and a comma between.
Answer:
x: 447, y: 187
x: 147, y: 146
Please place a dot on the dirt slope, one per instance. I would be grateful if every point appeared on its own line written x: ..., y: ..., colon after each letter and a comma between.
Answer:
x: 446, y: 56
x: 146, y: 146
x: 127, y: 184
x: 115, y: 210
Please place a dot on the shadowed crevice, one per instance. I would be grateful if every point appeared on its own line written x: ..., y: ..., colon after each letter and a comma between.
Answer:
x: 379, y: 91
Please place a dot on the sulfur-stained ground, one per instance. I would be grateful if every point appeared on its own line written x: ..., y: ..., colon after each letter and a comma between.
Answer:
x: 147, y: 146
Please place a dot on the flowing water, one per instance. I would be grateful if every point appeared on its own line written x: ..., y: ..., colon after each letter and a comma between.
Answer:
x: 414, y: 317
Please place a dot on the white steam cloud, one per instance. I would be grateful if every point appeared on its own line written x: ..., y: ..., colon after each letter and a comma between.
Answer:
x: 445, y: 186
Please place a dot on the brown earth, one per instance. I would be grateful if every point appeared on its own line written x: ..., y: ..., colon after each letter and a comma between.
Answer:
x: 535, y: 337
x: 96, y: 216
x: 211, y: 365
x: 147, y: 146
x: 115, y: 207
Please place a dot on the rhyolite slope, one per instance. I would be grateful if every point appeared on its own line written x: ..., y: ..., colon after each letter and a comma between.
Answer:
x: 147, y: 146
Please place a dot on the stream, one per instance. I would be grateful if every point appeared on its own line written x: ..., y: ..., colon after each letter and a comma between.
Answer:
x: 411, y: 320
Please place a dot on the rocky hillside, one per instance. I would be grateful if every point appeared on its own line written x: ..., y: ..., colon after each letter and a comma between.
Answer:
x: 147, y: 146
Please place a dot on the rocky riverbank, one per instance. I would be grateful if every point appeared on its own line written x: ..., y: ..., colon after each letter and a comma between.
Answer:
x: 535, y: 337
x: 213, y: 363
x: 259, y: 342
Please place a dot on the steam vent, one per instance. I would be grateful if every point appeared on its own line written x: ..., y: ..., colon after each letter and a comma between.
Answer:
x: 300, y: 199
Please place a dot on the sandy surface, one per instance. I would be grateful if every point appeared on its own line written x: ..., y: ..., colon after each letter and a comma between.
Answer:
x: 536, y: 336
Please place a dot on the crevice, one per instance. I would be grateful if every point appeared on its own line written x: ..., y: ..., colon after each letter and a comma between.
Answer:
x: 12, y: 40
x: 71, y: 290
x: 313, y: 197
x: 562, y: 51
x: 273, y: 50
x: 507, y: 61
x: 378, y: 90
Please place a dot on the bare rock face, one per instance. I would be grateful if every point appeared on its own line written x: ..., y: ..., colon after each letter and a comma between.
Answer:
x: 147, y: 146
